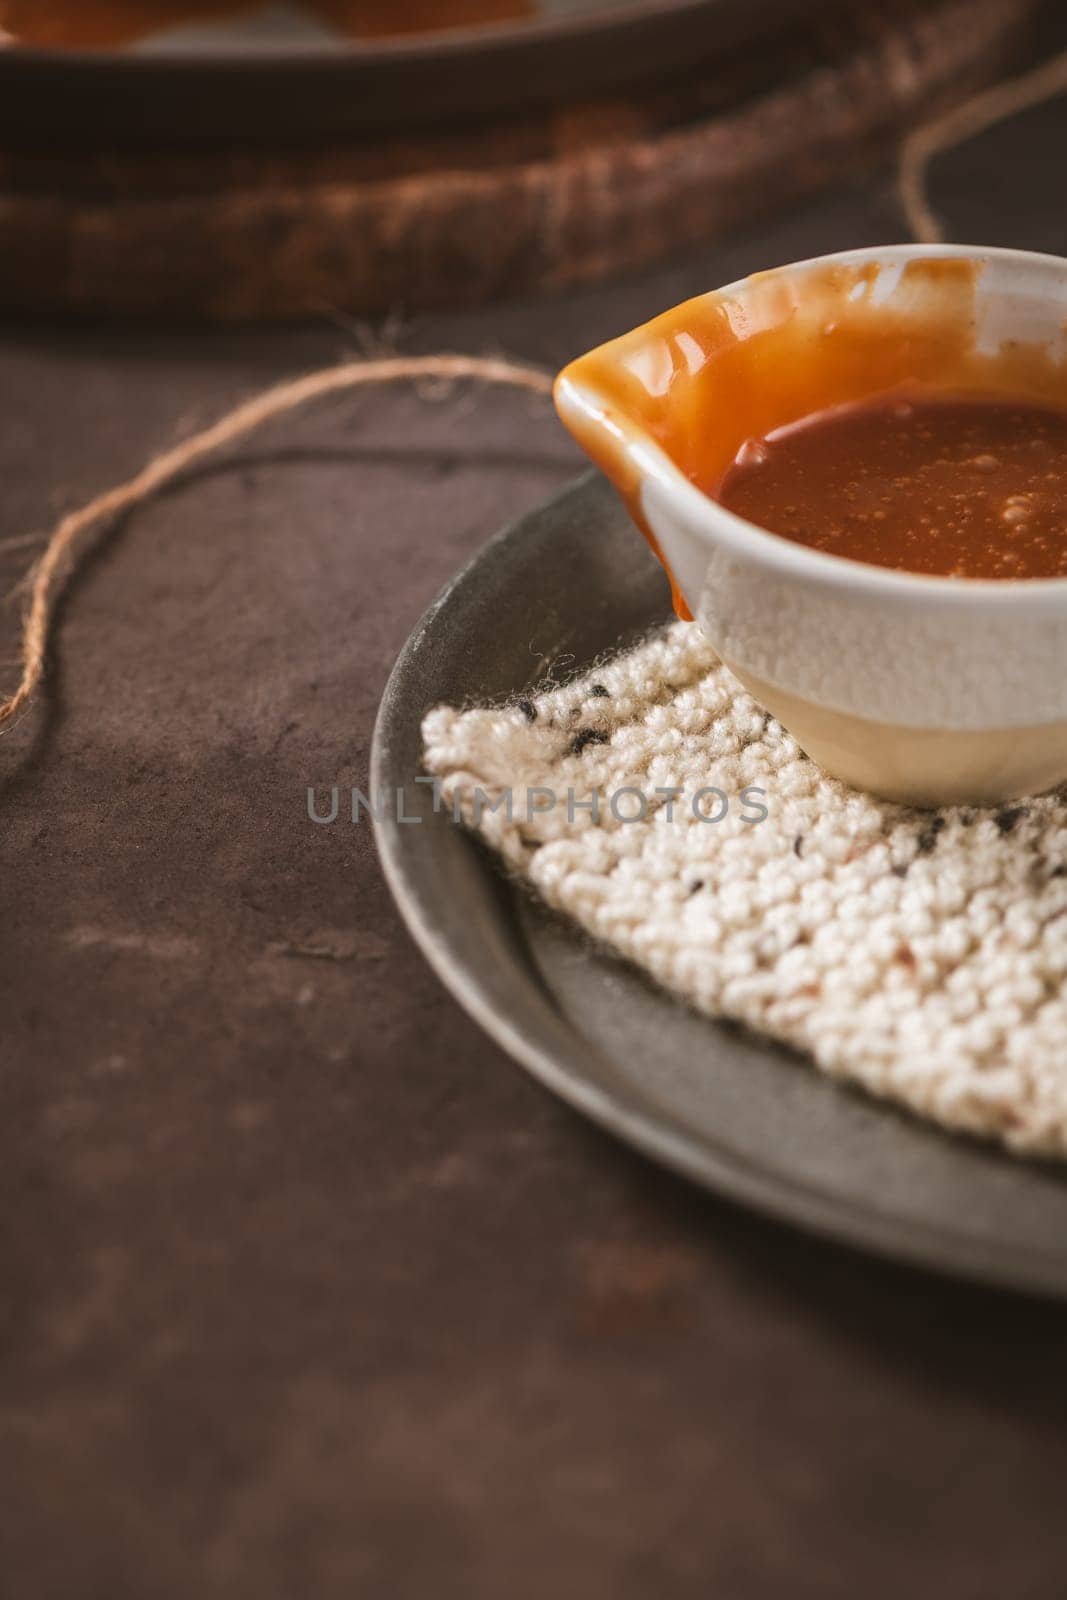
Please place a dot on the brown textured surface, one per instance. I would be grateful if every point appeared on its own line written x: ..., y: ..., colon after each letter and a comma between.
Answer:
x: 544, y: 201
x: 307, y: 1290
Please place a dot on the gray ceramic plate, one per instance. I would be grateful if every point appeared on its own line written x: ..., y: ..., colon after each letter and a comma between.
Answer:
x: 739, y: 1115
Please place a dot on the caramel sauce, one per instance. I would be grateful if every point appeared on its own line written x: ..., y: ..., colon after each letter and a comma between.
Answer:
x: 715, y: 372
x: 967, y: 488
x: 98, y: 24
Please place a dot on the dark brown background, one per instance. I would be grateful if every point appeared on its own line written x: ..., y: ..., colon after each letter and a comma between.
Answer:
x: 307, y: 1291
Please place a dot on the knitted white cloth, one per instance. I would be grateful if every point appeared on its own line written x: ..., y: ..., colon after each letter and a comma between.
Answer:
x: 921, y: 954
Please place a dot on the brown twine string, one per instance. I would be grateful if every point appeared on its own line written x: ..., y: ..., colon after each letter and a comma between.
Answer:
x: 276, y: 402
x: 983, y: 111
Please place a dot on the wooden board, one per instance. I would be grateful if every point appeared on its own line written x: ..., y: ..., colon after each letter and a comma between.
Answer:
x: 462, y: 214
x: 299, y: 79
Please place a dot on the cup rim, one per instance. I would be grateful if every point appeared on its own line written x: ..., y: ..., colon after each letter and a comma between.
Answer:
x: 714, y: 522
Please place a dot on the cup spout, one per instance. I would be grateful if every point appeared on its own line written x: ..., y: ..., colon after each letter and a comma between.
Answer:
x: 600, y: 427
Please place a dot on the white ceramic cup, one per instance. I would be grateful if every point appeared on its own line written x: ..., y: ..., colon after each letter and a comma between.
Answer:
x: 927, y: 690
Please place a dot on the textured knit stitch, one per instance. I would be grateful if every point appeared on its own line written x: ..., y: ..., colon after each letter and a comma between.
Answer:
x: 920, y: 954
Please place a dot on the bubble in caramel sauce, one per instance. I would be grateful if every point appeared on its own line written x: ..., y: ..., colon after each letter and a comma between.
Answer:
x: 1016, y: 511
x: 753, y: 453
x: 968, y: 487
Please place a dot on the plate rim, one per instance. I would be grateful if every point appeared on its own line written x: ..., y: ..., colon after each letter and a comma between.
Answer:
x: 933, y: 1247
